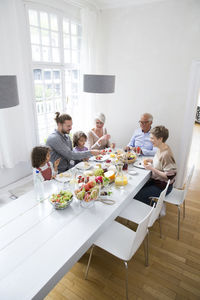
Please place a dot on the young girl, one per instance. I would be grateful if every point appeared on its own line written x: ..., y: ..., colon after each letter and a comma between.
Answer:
x: 40, y: 158
x: 79, y: 140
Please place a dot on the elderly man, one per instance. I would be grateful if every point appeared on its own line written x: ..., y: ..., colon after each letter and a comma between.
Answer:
x: 61, y: 145
x: 141, y: 136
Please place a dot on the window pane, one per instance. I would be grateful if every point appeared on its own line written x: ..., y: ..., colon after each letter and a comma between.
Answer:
x: 45, y: 37
x: 74, y: 43
x: 54, y: 39
x: 38, y: 92
x: 67, y: 56
x: 37, y: 74
x: 75, y: 74
x: 65, y: 26
x: 35, y: 35
x: 46, y: 53
x: 66, y: 41
x: 47, y: 75
x: 33, y: 17
x: 55, y: 55
x: 75, y: 58
x: 54, y: 22
x: 44, y: 21
x: 56, y: 75
x: 48, y: 89
x: 36, y: 53
x: 57, y: 90
x: 74, y: 29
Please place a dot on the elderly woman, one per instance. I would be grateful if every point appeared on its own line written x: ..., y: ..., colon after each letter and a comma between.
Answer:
x: 163, y: 166
x: 98, y: 137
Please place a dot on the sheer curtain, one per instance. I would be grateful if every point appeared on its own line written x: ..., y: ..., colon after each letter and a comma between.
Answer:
x: 85, y: 109
x: 17, y: 123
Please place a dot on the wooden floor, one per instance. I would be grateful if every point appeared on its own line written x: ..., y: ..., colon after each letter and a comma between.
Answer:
x: 174, y: 266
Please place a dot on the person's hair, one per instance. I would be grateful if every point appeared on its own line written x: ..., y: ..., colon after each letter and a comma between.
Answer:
x: 149, y: 116
x: 38, y: 155
x: 62, y: 118
x: 77, y: 135
x: 160, y: 132
x: 101, y: 117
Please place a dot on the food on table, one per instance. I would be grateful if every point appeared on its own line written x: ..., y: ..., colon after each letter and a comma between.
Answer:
x: 61, y: 200
x: 98, y: 157
x: 88, y: 192
x: 88, y: 173
x: 64, y: 175
x: 108, y: 193
x: 108, y: 161
x: 86, y: 164
x: 98, y: 166
x: 98, y: 172
x: 145, y: 162
x: 138, y: 150
x: 112, y: 155
x: 110, y: 175
x: 99, y: 179
x: 106, y: 181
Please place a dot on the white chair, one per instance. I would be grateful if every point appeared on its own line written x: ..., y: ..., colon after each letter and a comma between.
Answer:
x: 177, y: 197
x: 137, y: 210
x: 122, y: 242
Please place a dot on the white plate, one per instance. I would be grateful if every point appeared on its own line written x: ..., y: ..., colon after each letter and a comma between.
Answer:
x: 103, y: 158
x: 132, y: 172
x: 83, y: 165
x: 63, y: 177
x: 139, y: 164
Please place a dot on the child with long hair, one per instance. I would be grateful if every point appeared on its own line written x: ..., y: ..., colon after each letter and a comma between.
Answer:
x: 40, y: 158
x: 79, y: 140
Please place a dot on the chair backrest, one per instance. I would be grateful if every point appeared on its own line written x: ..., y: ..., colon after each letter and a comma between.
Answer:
x: 187, y: 183
x: 140, y: 233
x: 157, y: 209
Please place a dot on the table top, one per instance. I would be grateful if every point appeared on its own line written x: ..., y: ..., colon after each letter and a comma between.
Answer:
x: 38, y: 244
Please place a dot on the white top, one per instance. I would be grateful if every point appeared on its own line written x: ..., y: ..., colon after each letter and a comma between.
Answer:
x: 44, y: 168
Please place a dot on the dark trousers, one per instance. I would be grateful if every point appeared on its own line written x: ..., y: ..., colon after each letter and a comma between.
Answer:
x: 150, y: 190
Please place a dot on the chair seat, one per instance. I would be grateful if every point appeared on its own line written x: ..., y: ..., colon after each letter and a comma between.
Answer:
x: 117, y: 239
x: 176, y: 197
x: 136, y: 211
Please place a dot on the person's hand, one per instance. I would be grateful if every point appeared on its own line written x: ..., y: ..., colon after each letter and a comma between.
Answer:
x: 85, y: 159
x: 105, y: 137
x: 127, y: 148
x: 95, y: 152
x: 56, y: 163
x: 112, y: 145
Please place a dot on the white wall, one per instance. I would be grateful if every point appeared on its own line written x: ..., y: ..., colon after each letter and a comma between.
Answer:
x: 150, y: 48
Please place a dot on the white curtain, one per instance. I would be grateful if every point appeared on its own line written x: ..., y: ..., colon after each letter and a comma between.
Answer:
x: 17, y: 123
x: 85, y: 110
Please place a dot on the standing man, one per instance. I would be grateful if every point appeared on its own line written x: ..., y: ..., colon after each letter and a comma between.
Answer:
x: 61, y: 145
x: 141, y: 136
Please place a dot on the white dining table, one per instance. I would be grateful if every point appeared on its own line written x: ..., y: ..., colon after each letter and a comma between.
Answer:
x: 39, y: 245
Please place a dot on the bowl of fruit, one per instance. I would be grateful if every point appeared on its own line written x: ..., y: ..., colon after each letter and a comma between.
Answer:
x: 88, y: 193
x: 129, y: 158
x: 61, y: 200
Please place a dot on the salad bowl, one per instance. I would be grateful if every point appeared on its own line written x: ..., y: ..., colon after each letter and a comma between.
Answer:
x: 61, y: 200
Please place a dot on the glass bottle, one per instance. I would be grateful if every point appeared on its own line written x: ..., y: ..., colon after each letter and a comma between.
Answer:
x: 120, y: 178
x: 38, y: 187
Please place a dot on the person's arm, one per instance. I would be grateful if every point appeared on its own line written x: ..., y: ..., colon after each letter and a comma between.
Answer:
x: 61, y: 146
x: 156, y: 172
x: 91, y: 141
x: 132, y: 141
x: 148, y: 152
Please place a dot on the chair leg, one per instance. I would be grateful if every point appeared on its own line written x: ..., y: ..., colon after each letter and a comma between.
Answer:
x: 179, y: 212
x: 147, y: 249
x: 183, y: 209
x: 126, y: 267
x: 159, y: 219
x: 88, y: 265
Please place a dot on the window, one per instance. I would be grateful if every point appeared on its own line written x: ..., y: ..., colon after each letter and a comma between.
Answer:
x: 55, y: 44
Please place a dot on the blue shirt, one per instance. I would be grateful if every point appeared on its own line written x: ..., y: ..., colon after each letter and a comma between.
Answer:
x: 142, y: 140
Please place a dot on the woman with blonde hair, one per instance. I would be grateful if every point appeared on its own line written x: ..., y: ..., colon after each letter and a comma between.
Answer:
x: 98, y: 138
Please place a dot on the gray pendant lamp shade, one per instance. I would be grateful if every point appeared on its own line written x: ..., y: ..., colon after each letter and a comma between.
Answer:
x: 98, y: 84
x: 8, y: 91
